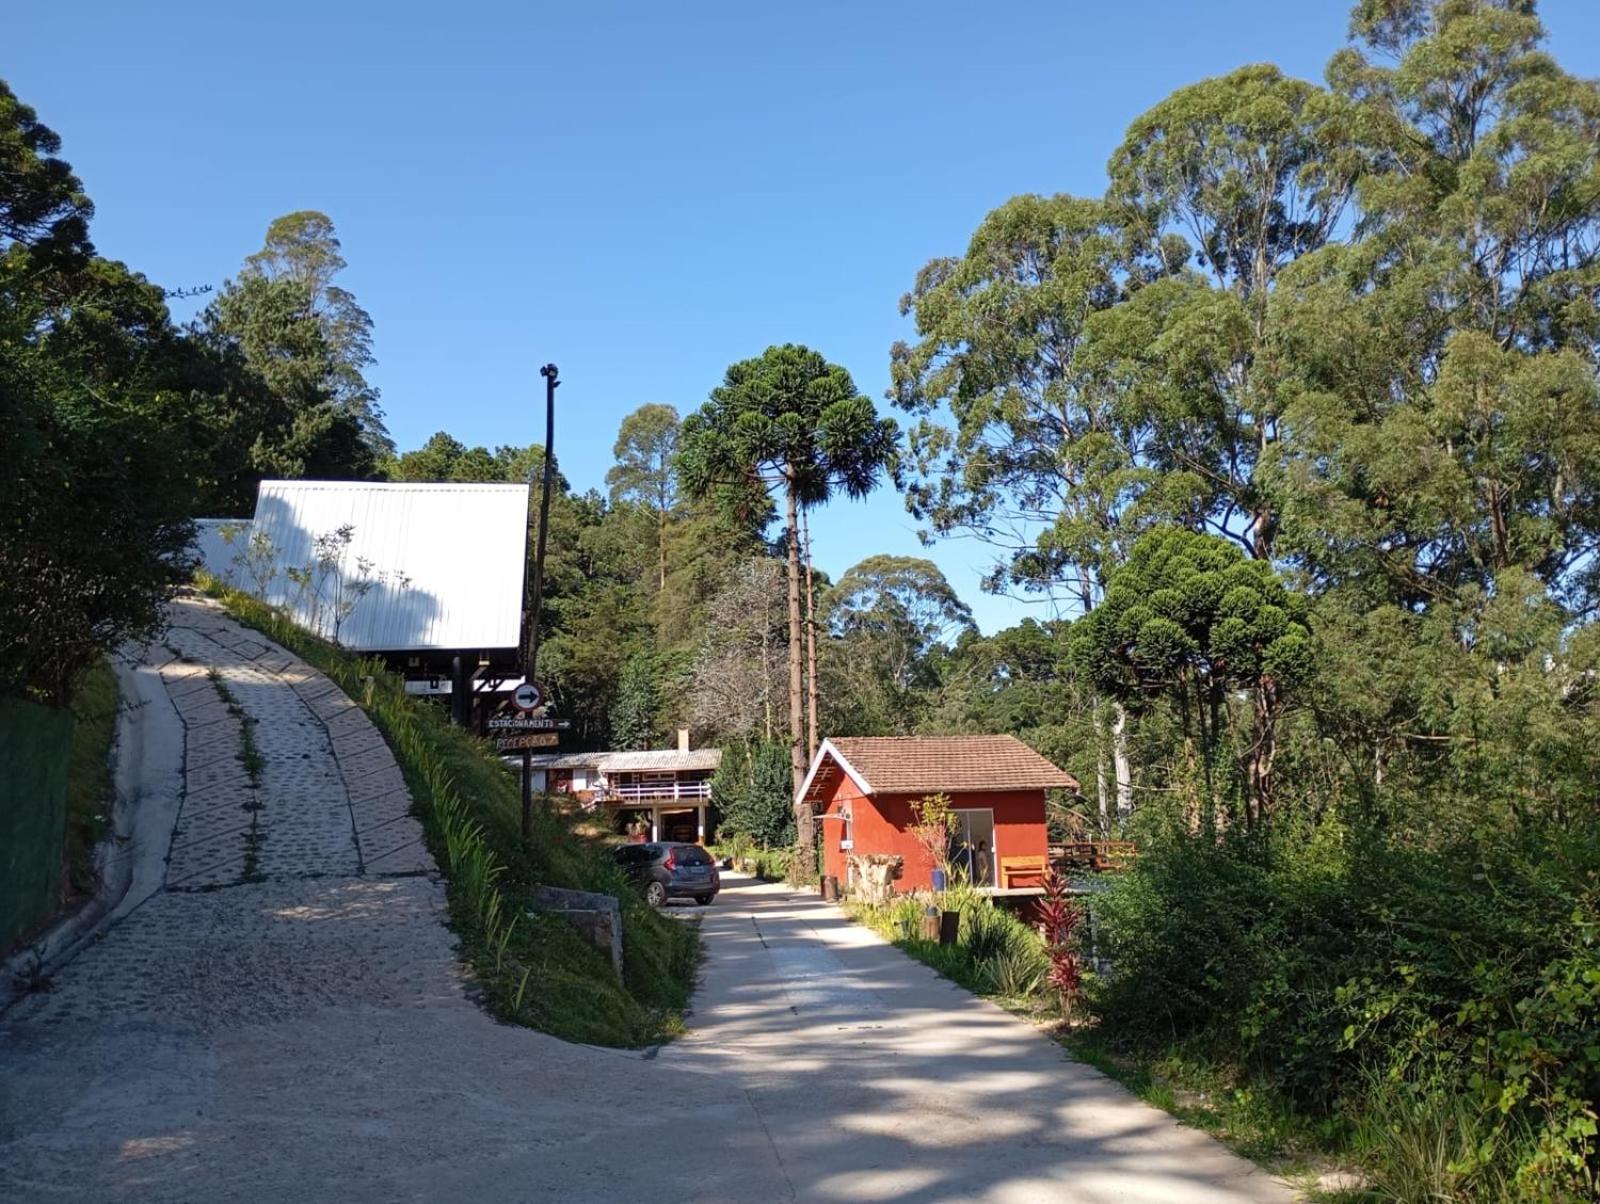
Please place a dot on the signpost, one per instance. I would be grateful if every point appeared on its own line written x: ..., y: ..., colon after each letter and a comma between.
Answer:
x: 524, y: 725
x: 523, y: 741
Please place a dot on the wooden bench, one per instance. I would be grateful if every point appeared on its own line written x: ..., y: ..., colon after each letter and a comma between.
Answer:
x: 1012, y: 868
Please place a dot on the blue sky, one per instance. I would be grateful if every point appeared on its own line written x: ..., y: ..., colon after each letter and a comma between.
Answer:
x: 642, y: 193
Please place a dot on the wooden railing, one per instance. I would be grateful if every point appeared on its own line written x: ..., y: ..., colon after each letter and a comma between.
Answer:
x: 655, y: 792
x: 1095, y: 855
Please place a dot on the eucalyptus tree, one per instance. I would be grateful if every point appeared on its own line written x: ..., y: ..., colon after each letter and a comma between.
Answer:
x: 1228, y: 182
x: 891, y: 620
x: 1447, y: 424
x: 646, y: 446
x: 791, y: 422
x: 1023, y: 436
x: 310, y: 342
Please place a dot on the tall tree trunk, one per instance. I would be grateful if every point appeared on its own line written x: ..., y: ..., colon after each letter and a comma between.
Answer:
x: 1119, y: 760
x: 811, y: 646
x: 1263, y: 750
x: 1102, y: 794
x: 661, y: 552
x: 797, y: 764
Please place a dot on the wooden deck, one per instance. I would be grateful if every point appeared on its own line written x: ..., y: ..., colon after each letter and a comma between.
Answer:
x: 1098, y: 856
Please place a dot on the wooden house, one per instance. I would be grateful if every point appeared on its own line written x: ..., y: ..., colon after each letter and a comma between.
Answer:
x: 863, y: 789
x: 652, y: 794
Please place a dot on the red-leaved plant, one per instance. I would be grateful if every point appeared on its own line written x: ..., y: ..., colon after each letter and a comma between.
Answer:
x: 1059, y: 917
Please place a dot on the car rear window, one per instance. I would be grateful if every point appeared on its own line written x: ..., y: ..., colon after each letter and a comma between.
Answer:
x: 693, y: 855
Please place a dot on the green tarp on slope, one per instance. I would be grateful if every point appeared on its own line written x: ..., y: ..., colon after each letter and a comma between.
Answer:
x: 35, y: 747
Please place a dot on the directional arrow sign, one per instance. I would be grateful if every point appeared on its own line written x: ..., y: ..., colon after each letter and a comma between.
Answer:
x: 526, y: 723
x: 528, y: 696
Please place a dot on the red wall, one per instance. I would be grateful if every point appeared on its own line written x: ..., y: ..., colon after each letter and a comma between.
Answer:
x: 881, y: 824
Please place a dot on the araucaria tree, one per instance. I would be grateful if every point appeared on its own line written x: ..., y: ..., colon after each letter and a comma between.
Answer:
x: 792, y: 422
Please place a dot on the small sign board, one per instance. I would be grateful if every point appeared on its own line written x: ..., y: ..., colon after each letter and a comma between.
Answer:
x: 515, y: 741
x: 526, y: 723
x: 528, y: 697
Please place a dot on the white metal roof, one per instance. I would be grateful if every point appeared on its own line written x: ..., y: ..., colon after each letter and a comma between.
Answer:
x: 631, y: 762
x: 661, y: 758
x: 445, y: 561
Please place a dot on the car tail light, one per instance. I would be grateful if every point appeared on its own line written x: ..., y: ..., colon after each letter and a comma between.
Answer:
x: 671, y: 863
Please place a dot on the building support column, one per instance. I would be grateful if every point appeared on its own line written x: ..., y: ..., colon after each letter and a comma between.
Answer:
x: 655, y: 824
x: 700, y: 823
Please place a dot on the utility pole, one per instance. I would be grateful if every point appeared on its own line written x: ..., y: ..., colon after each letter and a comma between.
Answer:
x: 552, y: 379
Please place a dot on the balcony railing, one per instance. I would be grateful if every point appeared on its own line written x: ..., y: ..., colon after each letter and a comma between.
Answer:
x: 1098, y: 855
x: 653, y: 792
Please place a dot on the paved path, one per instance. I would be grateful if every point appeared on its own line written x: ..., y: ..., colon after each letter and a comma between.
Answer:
x: 277, y: 1013
x: 282, y: 1016
x: 878, y: 1080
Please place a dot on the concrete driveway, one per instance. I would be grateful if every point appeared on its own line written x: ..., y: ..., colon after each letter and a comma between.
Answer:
x: 875, y: 1079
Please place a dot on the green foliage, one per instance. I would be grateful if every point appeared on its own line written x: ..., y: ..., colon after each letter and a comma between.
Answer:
x: 42, y: 204
x: 751, y: 789
x: 97, y: 493
x: 1351, y: 331
x: 995, y: 953
x: 633, y: 714
x: 309, y: 341
x: 1354, y: 975
x: 890, y: 621
x: 95, y: 703
x: 1188, y: 618
x: 791, y: 418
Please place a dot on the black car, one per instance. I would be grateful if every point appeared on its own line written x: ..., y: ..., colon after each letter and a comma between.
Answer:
x: 667, y: 870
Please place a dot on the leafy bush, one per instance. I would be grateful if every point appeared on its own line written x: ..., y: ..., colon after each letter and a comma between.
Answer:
x: 1461, y: 977
x: 995, y: 953
x: 752, y: 787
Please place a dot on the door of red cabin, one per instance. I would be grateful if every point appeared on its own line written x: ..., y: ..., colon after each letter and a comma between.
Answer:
x: 972, y: 846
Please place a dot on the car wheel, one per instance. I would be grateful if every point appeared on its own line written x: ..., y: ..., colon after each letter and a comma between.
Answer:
x: 704, y: 900
x: 655, y: 894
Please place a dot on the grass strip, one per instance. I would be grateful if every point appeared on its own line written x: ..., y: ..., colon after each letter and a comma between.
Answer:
x: 94, y: 724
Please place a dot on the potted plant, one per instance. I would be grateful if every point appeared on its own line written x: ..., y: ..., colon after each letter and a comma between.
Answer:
x: 933, y: 823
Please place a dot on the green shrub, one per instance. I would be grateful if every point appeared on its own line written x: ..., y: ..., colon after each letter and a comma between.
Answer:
x: 1318, y: 964
x: 994, y: 954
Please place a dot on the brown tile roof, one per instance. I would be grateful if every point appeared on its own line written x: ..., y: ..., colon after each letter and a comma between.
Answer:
x: 929, y: 764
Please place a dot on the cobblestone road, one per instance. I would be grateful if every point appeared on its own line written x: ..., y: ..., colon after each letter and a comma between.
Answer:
x: 286, y: 1018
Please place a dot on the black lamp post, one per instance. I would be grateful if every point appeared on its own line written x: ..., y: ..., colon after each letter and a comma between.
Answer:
x: 552, y: 380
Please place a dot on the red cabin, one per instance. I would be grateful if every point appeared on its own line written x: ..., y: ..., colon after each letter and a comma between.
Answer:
x: 864, y: 786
